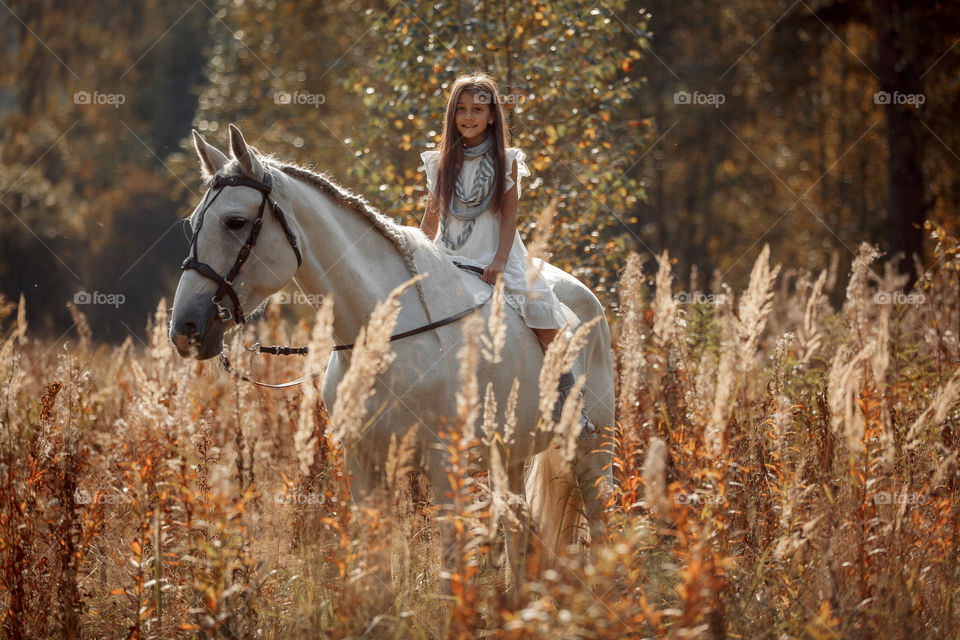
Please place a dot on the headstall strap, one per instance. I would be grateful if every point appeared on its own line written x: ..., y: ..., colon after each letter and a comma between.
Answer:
x: 225, y: 284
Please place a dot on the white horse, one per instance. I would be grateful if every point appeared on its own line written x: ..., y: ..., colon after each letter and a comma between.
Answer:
x: 333, y: 243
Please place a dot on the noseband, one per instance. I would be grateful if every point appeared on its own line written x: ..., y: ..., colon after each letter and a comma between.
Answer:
x: 225, y: 284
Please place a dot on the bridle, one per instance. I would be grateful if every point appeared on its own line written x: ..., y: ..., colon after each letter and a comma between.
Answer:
x: 225, y: 284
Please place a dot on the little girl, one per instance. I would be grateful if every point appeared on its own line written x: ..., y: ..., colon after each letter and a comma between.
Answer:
x: 474, y: 184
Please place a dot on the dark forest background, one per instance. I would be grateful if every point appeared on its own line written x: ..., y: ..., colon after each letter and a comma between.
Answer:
x: 704, y: 128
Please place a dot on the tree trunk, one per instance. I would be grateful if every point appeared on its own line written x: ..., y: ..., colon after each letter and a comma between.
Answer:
x: 899, y: 78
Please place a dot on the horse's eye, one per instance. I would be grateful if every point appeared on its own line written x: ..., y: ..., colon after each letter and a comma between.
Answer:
x: 236, y: 222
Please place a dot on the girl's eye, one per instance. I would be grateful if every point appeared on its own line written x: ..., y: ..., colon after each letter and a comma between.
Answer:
x: 236, y: 222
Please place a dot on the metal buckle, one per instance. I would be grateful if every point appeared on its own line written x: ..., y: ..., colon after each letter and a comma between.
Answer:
x: 222, y: 312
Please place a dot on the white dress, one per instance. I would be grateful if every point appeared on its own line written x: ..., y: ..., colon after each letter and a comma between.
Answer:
x: 539, y: 306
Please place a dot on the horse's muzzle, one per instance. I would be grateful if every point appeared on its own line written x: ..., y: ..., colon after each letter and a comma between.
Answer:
x: 196, y: 331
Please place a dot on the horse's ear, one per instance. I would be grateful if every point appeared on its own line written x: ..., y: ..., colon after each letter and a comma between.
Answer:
x: 211, y: 158
x: 248, y: 160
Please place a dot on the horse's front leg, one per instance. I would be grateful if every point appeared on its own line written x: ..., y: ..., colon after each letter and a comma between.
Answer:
x: 516, y: 531
x: 363, y: 484
x: 452, y: 544
x: 593, y: 467
x: 365, y: 494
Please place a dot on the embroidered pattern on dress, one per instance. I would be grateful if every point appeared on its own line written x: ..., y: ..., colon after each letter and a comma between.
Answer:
x: 462, y: 237
x: 476, y: 196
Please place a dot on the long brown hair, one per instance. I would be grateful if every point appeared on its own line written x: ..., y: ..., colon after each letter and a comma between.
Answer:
x: 483, y: 89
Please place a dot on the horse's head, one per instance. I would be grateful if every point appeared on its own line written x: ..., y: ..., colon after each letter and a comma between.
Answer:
x: 244, y: 248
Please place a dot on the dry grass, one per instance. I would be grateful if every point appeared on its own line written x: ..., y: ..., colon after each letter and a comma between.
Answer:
x: 784, y: 470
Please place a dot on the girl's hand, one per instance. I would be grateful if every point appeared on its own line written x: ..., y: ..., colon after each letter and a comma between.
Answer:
x: 493, y: 270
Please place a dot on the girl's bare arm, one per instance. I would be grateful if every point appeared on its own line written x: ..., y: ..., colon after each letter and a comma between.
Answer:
x: 508, y: 230
x: 431, y: 218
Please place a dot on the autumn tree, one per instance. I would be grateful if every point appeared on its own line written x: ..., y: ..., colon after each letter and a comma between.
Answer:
x: 275, y: 69
x: 794, y: 149
x: 92, y: 98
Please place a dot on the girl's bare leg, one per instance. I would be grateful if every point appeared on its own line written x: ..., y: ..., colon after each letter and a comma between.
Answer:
x: 546, y: 336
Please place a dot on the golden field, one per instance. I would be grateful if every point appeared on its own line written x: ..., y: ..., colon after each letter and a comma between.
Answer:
x: 785, y: 469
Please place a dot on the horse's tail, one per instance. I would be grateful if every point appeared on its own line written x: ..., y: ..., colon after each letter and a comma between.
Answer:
x: 555, y: 503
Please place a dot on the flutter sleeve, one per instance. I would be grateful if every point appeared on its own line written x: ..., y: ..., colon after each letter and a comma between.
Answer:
x: 431, y: 165
x: 514, y: 154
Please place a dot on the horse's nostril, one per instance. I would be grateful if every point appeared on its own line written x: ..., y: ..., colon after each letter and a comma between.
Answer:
x: 190, y: 330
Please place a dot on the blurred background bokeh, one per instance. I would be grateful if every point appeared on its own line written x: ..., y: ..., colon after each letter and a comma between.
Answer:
x: 704, y: 128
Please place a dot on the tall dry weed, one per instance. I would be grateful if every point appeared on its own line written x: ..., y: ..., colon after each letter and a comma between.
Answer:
x: 788, y: 476
x: 370, y: 357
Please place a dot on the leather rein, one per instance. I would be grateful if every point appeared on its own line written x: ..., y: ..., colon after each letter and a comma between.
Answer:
x: 225, y: 284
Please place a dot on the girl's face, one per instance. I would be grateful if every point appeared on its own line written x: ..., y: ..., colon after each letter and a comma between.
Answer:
x: 473, y: 117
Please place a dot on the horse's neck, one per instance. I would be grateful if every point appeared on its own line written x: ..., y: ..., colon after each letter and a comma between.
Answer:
x: 346, y: 256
